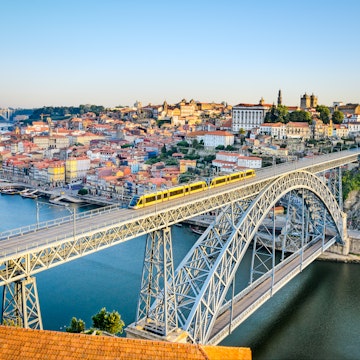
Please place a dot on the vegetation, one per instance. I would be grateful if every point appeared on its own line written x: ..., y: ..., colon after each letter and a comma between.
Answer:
x: 350, y: 182
x: 324, y: 113
x: 110, y: 322
x: 83, y: 191
x: 62, y: 111
x: 76, y: 326
x: 337, y: 117
x: 299, y: 116
x: 281, y: 114
x: 277, y: 114
x: 10, y: 322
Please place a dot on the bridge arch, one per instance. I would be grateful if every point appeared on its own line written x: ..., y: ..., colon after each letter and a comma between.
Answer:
x: 204, y: 277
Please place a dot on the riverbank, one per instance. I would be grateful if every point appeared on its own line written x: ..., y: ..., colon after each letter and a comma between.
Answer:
x: 348, y: 259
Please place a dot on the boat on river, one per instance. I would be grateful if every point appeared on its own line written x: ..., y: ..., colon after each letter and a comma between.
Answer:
x: 9, y: 191
x: 29, y: 194
x: 197, y: 230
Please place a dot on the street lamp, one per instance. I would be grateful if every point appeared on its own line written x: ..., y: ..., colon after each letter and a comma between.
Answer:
x: 73, y: 213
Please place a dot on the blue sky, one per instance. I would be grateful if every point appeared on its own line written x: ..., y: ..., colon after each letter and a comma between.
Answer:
x: 109, y: 52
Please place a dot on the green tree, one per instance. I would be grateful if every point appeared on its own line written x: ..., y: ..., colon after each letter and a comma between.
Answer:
x: 270, y: 116
x: 324, y: 113
x: 108, y: 321
x: 350, y: 182
x: 195, y: 143
x: 298, y: 116
x: 182, y: 143
x: 276, y: 114
x: 282, y: 112
x: 171, y: 161
x: 76, y: 326
x: 163, y: 150
x: 337, y: 117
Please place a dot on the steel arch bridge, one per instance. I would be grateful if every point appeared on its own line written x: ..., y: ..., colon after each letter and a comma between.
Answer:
x: 197, y: 294
x: 173, y: 303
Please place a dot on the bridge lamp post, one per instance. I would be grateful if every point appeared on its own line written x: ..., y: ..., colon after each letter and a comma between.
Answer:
x: 73, y: 213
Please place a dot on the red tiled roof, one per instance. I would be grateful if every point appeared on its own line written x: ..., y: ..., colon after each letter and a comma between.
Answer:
x: 19, y: 343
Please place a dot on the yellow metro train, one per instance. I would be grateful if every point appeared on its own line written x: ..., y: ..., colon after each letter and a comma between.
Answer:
x: 140, y: 201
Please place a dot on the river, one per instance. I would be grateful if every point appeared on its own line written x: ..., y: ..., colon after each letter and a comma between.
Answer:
x: 315, y: 316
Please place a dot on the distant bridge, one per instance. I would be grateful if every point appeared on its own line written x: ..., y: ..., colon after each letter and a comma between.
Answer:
x: 6, y: 114
x: 195, y: 301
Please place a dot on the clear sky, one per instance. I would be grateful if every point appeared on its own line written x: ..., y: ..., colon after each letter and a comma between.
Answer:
x: 114, y: 52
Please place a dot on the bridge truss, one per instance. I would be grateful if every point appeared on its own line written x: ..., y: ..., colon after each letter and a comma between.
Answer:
x: 202, y: 282
x: 194, y: 296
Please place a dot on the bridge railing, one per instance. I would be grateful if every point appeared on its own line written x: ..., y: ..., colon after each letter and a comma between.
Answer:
x: 133, y: 214
x: 55, y: 222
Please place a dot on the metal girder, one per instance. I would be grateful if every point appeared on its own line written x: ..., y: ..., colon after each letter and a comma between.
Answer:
x: 20, y: 304
x: 26, y: 252
x: 47, y: 250
x: 335, y: 184
x: 203, y: 278
x: 157, y: 285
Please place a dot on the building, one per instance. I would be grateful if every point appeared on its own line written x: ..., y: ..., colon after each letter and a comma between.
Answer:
x: 212, y: 139
x: 249, y: 116
x: 56, y: 172
x: 308, y: 101
x: 275, y: 130
x: 76, y: 168
x: 227, y: 161
x: 298, y: 130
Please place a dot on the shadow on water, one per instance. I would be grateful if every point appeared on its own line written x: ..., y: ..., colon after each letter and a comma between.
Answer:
x: 274, y: 317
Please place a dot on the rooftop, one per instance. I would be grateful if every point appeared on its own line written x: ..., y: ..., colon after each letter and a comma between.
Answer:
x: 19, y: 343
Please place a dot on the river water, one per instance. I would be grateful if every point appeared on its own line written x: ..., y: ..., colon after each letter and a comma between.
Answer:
x: 316, y: 316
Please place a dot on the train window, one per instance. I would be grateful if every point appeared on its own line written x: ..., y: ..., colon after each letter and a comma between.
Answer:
x: 150, y: 199
x: 196, y: 186
x: 134, y: 200
x: 219, y: 181
x: 176, y: 191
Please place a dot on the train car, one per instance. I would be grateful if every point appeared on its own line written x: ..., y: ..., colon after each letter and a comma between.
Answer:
x: 230, y: 178
x: 140, y: 201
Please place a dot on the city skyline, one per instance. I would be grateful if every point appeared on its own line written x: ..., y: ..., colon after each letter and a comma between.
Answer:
x: 114, y: 53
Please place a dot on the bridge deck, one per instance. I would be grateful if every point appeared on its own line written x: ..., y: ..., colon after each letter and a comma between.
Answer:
x: 245, y: 305
x: 24, y: 241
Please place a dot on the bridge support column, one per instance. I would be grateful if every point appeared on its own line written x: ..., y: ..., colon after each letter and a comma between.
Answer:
x: 158, y: 284
x: 20, y: 304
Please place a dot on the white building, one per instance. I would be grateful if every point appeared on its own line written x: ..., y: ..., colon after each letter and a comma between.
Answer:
x: 212, y: 139
x: 228, y: 161
x: 275, y: 130
x: 252, y: 162
x: 249, y: 116
x: 353, y: 127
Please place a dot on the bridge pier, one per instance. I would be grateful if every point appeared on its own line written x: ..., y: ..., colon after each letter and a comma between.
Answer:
x: 20, y: 304
x: 139, y: 331
x: 157, y: 285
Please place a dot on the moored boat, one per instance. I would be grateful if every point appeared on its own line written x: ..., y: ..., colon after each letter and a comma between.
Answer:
x: 197, y: 230
x: 29, y: 194
x: 9, y: 191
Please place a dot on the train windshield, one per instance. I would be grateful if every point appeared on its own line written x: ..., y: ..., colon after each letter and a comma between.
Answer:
x: 134, y: 200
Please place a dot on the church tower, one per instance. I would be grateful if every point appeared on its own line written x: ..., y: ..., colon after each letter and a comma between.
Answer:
x: 279, y: 102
